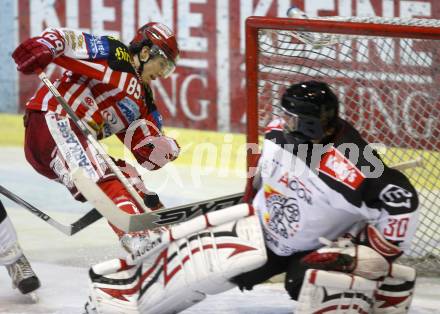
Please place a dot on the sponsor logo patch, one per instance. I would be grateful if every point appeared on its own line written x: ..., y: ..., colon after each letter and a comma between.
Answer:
x: 97, y: 46
x: 296, y: 186
x: 157, y: 117
x: 337, y: 166
x: 396, y: 196
x: 283, y: 214
x: 80, y: 41
x: 122, y: 54
x: 90, y: 102
x: 112, y: 122
x: 129, y: 109
x: 110, y: 115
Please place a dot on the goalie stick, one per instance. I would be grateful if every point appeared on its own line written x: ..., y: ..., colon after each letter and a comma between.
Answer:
x: 86, y: 220
x: 418, y: 162
x: 138, y: 222
x: 160, y: 218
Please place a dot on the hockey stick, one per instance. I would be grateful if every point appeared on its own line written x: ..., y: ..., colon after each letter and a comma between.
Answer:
x: 157, y: 218
x: 69, y: 230
x: 418, y: 162
x: 91, y: 139
x: 167, y: 216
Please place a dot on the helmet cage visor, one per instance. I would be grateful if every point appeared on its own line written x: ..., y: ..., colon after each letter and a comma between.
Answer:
x: 305, y: 124
x: 168, y: 66
x: 290, y: 120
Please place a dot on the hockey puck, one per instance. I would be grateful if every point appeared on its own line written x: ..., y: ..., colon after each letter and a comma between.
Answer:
x: 151, y: 200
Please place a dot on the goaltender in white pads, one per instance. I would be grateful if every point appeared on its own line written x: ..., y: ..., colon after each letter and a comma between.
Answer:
x: 175, y: 269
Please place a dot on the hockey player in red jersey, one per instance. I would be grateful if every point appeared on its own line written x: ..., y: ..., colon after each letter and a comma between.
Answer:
x: 107, y: 85
x: 12, y: 257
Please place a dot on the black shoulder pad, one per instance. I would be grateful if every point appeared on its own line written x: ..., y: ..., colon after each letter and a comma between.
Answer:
x: 392, y: 191
x: 119, y: 57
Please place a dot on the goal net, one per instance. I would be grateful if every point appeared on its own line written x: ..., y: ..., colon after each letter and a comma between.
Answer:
x: 386, y: 73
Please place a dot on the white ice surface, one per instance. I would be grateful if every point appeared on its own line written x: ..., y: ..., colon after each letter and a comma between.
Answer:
x: 62, y: 262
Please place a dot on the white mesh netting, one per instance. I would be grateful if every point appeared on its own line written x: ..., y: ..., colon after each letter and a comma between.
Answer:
x: 389, y: 88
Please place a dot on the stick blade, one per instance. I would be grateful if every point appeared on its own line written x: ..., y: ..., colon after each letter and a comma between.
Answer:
x: 122, y: 220
x: 99, y: 199
x: 85, y: 221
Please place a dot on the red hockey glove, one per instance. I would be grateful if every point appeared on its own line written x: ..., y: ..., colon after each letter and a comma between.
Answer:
x: 370, y: 259
x: 156, y: 151
x: 331, y: 257
x: 33, y: 54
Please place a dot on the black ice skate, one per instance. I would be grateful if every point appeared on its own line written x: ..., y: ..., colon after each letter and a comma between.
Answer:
x: 23, y: 277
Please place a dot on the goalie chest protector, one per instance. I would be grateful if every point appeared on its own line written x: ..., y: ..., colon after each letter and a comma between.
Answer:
x: 324, y: 195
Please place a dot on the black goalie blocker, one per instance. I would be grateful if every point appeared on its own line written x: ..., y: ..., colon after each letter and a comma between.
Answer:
x: 310, y: 112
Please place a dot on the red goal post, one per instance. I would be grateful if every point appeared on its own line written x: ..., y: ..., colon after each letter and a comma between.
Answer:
x: 386, y: 72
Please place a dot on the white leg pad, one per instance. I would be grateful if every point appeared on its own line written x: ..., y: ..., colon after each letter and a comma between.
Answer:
x: 395, y: 293
x: 335, y: 292
x: 183, y: 273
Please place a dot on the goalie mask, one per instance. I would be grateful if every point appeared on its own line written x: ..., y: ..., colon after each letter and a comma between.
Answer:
x: 162, y: 43
x: 310, y: 110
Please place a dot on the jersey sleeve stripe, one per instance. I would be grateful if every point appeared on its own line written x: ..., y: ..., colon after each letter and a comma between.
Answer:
x: 122, y: 80
x: 107, y: 76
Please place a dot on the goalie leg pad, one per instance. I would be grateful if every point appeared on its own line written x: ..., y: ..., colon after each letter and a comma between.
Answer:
x: 335, y: 292
x: 181, y: 274
x: 395, y: 293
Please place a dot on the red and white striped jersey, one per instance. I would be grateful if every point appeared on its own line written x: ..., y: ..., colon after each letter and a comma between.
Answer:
x: 101, y: 86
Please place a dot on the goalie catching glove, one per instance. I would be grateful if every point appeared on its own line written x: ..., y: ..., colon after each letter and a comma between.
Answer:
x: 369, y: 255
x: 389, y: 287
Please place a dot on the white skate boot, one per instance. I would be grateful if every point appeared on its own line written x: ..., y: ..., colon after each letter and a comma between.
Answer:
x: 23, y: 277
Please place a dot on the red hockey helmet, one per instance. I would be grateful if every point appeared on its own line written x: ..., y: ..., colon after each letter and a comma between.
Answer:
x: 161, y: 40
